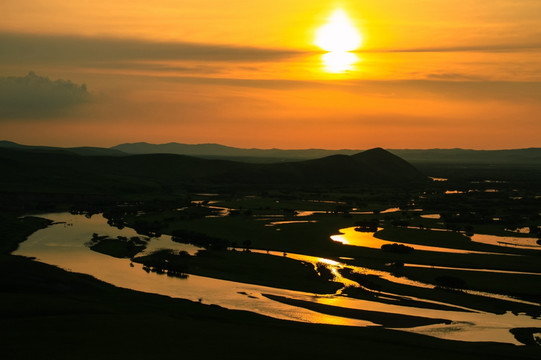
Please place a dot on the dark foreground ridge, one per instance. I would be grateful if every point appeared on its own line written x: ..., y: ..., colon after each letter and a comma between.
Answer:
x: 64, y: 170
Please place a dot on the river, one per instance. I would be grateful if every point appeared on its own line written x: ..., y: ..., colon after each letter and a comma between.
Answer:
x: 63, y: 244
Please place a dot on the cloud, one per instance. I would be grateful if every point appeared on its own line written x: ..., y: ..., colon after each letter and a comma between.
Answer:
x: 479, y: 90
x: 453, y: 77
x: 490, y: 48
x: 76, y: 50
x: 450, y: 86
x: 37, y: 96
x: 200, y: 64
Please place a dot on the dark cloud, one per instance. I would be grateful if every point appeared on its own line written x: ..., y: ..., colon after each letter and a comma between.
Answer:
x: 71, y: 50
x: 37, y: 96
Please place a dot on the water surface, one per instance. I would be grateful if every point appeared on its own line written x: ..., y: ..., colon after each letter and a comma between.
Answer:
x: 63, y: 244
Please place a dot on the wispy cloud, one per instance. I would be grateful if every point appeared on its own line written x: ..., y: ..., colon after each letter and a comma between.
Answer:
x: 447, y: 76
x: 203, y: 64
x: 487, y: 48
x: 37, y: 96
x: 451, y: 86
x: 454, y: 89
x: 77, y: 50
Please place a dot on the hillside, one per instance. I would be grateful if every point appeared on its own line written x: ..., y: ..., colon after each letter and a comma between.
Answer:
x: 531, y: 156
x: 418, y: 157
x: 216, y: 150
x: 67, y: 171
x: 80, y: 150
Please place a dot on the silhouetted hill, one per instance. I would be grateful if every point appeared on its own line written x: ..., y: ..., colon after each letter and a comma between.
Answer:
x: 216, y: 150
x: 444, y: 156
x: 80, y: 150
x: 26, y: 170
x: 514, y: 157
x: 386, y: 164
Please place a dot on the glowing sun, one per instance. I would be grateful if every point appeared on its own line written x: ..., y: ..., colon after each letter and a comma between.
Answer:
x: 338, y: 34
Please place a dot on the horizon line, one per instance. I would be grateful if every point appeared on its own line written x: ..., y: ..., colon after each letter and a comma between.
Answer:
x: 267, y: 149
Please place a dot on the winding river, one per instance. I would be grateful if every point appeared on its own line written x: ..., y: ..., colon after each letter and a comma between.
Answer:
x: 63, y: 244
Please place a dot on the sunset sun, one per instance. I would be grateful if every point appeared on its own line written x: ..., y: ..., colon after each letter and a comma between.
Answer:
x: 338, y: 34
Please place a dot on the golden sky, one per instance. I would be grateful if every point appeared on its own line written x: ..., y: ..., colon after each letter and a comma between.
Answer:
x: 430, y: 73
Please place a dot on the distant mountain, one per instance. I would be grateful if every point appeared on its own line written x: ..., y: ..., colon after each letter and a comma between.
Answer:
x: 530, y: 156
x: 443, y: 156
x: 216, y: 150
x: 65, y: 171
x: 369, y: 167
x: 81, y: 150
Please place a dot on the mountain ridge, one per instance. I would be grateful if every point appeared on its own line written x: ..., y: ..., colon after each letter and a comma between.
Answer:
x: 436, y: 155
x: 525, y: 156
x: 65, y: 170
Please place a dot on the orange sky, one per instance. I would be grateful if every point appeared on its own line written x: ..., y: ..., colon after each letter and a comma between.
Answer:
x: 429, y: 74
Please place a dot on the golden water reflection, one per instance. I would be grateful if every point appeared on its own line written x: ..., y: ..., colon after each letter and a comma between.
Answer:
x: 338, y: 62
x: 63, y: 244
x: 350, y: 236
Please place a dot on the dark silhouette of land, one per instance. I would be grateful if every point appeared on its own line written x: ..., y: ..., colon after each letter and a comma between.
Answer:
x: 37, y: 168
x: 529, y: 156
x: 52, y: 313
x: 522, y: 156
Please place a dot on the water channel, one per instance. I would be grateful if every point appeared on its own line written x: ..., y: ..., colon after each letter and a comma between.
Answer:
x: 63, y: 244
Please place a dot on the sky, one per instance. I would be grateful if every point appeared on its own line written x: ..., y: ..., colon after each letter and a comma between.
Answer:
x: 429, y: 73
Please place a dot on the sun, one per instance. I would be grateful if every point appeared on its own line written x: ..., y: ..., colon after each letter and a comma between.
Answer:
x: 338, y: 34
x: 337, y: 62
